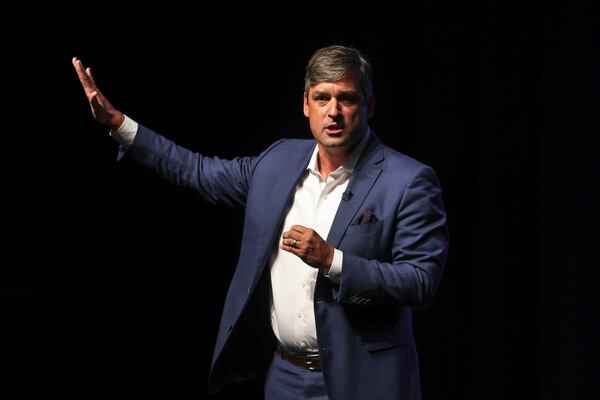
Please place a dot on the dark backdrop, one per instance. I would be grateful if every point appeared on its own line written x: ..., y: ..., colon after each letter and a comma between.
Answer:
x: 113, y: 282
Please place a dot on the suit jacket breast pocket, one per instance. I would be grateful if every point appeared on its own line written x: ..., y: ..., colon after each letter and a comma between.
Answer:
x: 363, y: 240
x: 370, y: 228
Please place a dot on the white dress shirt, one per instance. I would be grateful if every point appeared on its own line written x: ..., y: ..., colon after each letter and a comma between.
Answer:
x: 293, y: 282
x: 126, y: 132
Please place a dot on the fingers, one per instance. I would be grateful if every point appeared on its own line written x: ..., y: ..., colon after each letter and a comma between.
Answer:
x: 308, y: 245
x: 299, y: 228
x: 291, y: 239
x: 89, y: 73
x: 95, y: 101
x: 295, y: 235
x: 297, y: 240
x: 84, y: 75
x: 79, y: 68
x: 286, y: 245
x: 299, y: 233
x: 291, y: 235
x: 93, y: 96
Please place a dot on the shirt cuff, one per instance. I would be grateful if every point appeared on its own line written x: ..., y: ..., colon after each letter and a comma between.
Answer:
x: 125, y: 134
x: 335, y: 271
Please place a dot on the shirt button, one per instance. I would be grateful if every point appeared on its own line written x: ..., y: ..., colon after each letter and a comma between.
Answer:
x: 303, y: 284
x: 299, y: 315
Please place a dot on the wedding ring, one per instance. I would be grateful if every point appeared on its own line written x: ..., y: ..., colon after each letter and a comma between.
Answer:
x: 294, y: 243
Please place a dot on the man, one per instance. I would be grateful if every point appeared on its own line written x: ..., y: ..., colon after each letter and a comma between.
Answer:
x: 342, y: 236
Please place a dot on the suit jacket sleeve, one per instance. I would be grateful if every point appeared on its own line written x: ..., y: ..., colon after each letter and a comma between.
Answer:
x: 418, y: 253
x: 215, y: 180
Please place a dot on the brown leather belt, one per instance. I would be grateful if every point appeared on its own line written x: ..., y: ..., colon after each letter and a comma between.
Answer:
x: 312, y: 362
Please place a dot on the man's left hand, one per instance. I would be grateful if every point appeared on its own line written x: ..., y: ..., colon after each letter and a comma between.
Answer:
x: 309, y: 246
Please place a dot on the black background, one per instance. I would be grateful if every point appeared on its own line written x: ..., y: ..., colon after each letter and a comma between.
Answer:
x: 113, y: 282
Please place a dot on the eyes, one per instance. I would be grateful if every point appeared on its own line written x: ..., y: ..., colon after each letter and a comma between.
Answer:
x: 346, y: 99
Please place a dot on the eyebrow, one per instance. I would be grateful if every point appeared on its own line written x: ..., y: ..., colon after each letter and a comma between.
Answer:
x: 341, y: 94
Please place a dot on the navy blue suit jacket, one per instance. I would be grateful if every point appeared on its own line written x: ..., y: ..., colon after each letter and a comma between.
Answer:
x: 391, y: 229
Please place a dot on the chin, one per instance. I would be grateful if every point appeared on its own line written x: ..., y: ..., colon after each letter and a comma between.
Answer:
x: 334, y: 139
x: 335, y: 143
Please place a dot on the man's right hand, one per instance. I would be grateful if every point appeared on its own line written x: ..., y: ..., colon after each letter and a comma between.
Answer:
x: 102, y: 110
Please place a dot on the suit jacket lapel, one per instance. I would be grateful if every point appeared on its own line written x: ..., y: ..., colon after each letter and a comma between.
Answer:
x: 280, y: 195
x: 365, y: 175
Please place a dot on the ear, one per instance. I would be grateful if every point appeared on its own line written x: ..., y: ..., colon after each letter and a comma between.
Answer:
x: 306, y: 105
x: 370, y: 106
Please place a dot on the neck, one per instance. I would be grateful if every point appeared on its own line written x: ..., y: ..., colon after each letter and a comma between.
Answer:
x: 329, y: 162
x: 331, y: 158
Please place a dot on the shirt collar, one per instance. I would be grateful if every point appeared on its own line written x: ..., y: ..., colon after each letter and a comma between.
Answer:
x: 349, y: 164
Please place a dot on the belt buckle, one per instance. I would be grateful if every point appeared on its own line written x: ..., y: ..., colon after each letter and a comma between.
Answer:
x: 309, y: 362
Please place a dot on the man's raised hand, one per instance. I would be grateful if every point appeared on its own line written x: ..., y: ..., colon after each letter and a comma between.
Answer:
x: 102, y: 110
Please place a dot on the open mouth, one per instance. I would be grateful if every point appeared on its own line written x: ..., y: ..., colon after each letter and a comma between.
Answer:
x: 334, y: 130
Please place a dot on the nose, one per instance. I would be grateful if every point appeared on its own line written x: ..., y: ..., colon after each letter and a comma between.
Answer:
x: 333, y: 110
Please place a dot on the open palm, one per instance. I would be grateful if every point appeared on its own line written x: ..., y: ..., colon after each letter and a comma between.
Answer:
x: 102, y: 110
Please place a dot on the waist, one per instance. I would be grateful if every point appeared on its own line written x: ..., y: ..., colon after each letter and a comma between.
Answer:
x: 310, y: 361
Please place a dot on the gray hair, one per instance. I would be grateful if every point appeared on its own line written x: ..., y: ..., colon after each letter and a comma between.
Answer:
x: 333, y: 63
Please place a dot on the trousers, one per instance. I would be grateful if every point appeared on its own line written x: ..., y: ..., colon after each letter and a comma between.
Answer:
x: 286, y: 381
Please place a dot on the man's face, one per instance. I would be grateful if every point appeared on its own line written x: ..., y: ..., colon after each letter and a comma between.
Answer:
x: 337, y: 112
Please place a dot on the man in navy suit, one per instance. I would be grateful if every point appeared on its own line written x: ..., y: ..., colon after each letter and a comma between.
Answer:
x: 342, y: 236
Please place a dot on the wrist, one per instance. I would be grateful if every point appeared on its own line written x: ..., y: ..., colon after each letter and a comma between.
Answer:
x: 116, y: 120
x: 327, y: 265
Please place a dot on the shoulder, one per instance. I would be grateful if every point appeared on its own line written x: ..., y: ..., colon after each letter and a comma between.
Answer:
x: 292, y: 144
x: 285, y: 147
x: 395, y: 158
x: 398, y: 162
x: 405, y: 169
